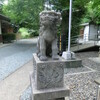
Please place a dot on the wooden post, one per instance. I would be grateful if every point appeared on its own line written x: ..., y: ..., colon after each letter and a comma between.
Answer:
x: 60, y: 43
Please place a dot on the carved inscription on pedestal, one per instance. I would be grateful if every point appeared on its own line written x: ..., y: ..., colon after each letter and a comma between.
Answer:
x: 50, y: 75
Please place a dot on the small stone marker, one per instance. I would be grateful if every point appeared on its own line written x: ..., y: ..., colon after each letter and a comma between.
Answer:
x: 97, y: 81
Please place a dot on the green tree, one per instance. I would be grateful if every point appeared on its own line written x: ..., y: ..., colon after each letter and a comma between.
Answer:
x: 96, y: 11
x: 78, y: 10
x: 93, y: 12
x: 25, y: 13
x: 1, y: 6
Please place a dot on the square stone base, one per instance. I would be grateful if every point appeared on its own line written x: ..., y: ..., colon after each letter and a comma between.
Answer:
x: 48, y: 94
x: 73, y: 63
x: 48, y: 74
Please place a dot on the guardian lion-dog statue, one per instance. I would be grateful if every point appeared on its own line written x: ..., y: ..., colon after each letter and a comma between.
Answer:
x: 47, y: 41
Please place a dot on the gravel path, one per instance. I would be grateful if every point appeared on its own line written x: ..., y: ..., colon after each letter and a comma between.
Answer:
x: 82, y: 86
x: 80, y: 80
x: 14, y: 56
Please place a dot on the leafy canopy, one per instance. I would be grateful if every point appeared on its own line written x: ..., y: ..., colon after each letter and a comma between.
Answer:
x: 78, y: 10
x: 93, y: 12
x: 24, y: 12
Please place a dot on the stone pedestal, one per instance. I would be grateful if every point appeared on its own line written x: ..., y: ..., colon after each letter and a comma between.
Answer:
x: 73, y: 63
x: 47, y: 79
x: 71, y: 60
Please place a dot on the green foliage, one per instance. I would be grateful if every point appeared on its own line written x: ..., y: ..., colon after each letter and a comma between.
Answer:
x: 8, y: 37
x: 93, y: 12
x: 1, y: 5
x: 24, y: 33
x: 24, y: 12
x: 27, y: 33
x: 60, y: 4
x: 33, y: 33
x: 78, y: 10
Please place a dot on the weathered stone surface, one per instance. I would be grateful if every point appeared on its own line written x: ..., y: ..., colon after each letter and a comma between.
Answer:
x: 97, y: 81
x: 68, y: 55
x: 47, y: 42
x: 47, y: 80
x: 98, y: 95
x: 48, y: 74
x: 73, y: 63
x: 49, y: 94
x: 95, y: 59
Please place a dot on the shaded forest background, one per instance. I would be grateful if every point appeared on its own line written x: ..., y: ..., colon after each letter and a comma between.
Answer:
x: 25, y: 13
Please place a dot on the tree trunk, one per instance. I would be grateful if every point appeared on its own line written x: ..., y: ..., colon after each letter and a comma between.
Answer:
x: 64, y: 30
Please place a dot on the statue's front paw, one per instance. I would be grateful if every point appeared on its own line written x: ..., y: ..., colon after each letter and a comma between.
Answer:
x: 43, y: 58
x: 55, y: 57
x: 39, y: 54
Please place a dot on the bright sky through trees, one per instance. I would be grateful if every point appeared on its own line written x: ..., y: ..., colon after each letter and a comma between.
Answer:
x: 6, y: 2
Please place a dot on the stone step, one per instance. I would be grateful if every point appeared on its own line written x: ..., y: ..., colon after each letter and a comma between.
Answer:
x: 14, y: 85
x: 82, y: 47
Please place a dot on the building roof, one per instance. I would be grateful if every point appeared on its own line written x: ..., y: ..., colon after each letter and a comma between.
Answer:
x: 84, y: 24
x: 2, y: 17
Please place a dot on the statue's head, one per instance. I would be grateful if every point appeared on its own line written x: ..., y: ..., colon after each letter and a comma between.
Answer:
x: 49, y: 17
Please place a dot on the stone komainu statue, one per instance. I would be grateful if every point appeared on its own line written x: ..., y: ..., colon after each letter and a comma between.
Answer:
x: 47, y: 42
